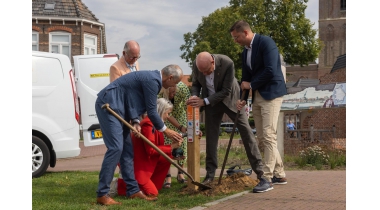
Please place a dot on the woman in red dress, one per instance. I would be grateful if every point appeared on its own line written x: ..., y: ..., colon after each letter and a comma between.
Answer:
x: 151, y: 167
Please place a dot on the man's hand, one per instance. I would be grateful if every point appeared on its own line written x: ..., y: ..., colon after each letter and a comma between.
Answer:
x: 195, y: 101
x: 138, y: 128
x: 240, y: 104
x: 174, y: 136
x: 245, y: 85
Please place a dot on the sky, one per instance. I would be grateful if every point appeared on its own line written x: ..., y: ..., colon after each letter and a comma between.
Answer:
x: 159, y: 27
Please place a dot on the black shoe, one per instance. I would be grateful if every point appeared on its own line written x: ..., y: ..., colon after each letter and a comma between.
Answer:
x: 207, y: 180
x: 276, y: 180
x: 263, y: 186
x: 167, y: 184
x: 182, y: 181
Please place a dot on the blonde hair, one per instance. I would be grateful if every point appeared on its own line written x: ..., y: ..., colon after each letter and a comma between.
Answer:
x: 163, y: 105
x: 165, y: 92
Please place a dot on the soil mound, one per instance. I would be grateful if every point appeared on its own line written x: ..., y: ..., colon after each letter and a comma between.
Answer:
x: 235, y: 183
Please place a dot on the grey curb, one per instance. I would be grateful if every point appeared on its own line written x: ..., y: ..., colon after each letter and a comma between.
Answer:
x: 204, y: 206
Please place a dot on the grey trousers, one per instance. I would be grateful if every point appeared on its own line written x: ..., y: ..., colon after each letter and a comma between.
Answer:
x: 214, y: 115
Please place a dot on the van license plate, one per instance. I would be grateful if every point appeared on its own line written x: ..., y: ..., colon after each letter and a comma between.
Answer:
x: 97, y: 134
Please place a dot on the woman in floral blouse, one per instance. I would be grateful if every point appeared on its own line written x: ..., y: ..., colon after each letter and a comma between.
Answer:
x: 178, y: 121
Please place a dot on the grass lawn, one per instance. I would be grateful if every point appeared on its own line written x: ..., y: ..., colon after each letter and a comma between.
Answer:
x: 77, y: 190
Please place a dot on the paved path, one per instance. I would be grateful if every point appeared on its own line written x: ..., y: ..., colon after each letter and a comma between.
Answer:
x: 305, y: 189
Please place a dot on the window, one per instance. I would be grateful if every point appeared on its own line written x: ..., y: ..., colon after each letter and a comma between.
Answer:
x: 34, y: 41
x: 49, y: 6
x: 60, y: 42
x: 90, y: 44
x: 342, y: 4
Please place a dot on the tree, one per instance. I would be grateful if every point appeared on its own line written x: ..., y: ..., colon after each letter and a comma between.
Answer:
x: 212, y: 35
x: 283, y: 20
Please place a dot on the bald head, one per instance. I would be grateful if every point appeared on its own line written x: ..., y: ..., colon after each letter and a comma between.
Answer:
x: 131, y: 46
x: 205, y: 63
x: 131, y: 52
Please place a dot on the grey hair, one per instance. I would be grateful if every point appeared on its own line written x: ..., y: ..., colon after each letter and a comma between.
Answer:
x: 127, y: 45
x: 174, y: 70
x: 163, y: 105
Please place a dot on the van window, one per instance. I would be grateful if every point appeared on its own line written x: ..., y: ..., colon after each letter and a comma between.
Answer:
x: 42, y: 69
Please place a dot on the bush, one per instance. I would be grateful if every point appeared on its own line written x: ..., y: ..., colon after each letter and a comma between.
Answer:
x: 202, y: 127
x: 337, y: 158
x: 314, y: 156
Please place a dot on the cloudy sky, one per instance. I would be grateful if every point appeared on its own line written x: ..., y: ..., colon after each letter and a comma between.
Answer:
x: 159, y: 26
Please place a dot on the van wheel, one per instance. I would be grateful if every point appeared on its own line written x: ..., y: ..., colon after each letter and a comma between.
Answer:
x: 40, y: 157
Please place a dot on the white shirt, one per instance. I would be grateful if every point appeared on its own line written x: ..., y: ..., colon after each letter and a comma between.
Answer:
x: 131, y: 67
x: 249, y: 53
x: 210, y: 83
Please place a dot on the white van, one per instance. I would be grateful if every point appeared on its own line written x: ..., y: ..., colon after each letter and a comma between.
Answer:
x: 91, y: 76
x: 61, y: 99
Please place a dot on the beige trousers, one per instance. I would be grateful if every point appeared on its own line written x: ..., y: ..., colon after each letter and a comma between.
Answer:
x: 265, y: 114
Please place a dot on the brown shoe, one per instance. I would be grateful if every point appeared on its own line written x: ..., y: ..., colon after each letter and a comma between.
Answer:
x: 142, y: 196
x: 106, y: 200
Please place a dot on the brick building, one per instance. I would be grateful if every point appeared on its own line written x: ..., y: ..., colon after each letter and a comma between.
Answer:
x: 66, y: 27
x: 332, y: 34
x: 331, y: 68
x: 322, y: 119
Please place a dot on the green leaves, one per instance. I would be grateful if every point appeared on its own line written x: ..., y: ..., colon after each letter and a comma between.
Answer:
x: 284, y: 20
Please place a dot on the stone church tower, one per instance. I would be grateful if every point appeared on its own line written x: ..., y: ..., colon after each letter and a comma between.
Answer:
x: 332, y: 33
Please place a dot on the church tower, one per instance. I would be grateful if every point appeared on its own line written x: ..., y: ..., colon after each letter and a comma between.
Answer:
x: 332, y: 33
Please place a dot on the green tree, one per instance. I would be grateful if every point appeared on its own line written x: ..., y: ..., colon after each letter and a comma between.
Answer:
x: 212, y: 35
x: 283, y: 20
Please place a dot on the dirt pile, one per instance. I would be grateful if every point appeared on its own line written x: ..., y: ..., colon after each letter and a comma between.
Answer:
x: 235, y: 183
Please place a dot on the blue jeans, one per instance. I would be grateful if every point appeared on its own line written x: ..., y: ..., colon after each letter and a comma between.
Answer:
x: 117, y: 139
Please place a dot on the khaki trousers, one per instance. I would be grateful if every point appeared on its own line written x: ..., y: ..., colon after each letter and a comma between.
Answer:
x: 265, y: 114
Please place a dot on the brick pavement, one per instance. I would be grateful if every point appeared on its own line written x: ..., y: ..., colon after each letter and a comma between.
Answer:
x: 305, y: 189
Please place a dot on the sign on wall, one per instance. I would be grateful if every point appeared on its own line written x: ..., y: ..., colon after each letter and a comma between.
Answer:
x: 320, y: 96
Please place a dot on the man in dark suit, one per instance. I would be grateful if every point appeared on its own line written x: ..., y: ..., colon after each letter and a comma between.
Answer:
x: 262, y: 73
x: 130, y: 105
x: 214, y: 74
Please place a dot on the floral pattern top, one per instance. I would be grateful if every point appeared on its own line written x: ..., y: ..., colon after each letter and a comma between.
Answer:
x: 179, y: 113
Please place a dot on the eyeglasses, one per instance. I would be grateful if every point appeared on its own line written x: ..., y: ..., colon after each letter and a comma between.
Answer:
x: 132, y: 58
x: 236, y: 37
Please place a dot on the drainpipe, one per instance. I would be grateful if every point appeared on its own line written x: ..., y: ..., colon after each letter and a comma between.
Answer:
x: 101, y: 40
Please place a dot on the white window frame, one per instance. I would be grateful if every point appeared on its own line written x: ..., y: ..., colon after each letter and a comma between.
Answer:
x: 35, y: 42
x: 60, y: 44
x: 90, y: 47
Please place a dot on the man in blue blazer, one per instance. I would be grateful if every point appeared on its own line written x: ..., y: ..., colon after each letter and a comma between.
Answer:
x: 130, y: 96
x: 262, y: 73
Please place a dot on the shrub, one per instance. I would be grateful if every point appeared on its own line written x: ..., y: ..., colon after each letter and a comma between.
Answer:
x: 315, y: 156
x: 202, y: 127
x: 337, y: 158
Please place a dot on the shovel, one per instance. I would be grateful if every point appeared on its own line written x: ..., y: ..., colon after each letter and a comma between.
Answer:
x: 229, y: 143
x: 203, y: 187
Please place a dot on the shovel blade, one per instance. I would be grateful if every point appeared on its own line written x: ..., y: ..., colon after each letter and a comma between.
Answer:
x: 202, y: 186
